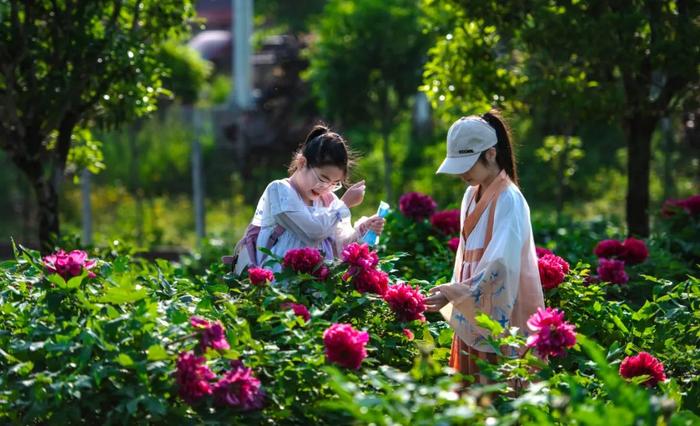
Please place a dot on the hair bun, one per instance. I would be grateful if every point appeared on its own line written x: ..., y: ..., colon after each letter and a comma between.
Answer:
x: 317, y: 131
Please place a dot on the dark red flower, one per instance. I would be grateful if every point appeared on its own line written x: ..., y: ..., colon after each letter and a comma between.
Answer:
x: 260, y: 276
x: 552, y: 270
x: 612, y: 271
x: 609, y: 249
x: 306, y: 260
x: 643, y: 364
x: 239, y: 388
x: 541, y: 251
x: 453, y: 244
x: 371, y: 281
x: 407, y: 302
x: 299, y: 310
x: 409, y: 334
x: 635, y: 251
x: 359, y: 255
x: 345, y: 346
x: 212, y: 334
x: 193, y: 377
x: 417, y: 206
x: 446, y: 221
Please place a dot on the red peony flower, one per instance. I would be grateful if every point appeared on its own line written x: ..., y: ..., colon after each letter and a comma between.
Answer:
x: 541, y: 251
x: 70, y: 264
x: 612, y: 271
x: 635, y: 251
x: 417, y: 206
x: 692, y: 205
x: 212, y: 334
x: 609, y: 249
x: 192, y: 377
x: 552, y: 270
x: 552, y: 334
x: 643, y: 364
x: 239, y: 388
x: 453, y: 244
x: 409, y: 334
x: 345, y: 346
x: 446, y: 221
x: 306, y: 260
x: 260, y: 276
x: 408, y: 303
x: 371, y: 281
x: 360, y: 256
x: 299, y: 310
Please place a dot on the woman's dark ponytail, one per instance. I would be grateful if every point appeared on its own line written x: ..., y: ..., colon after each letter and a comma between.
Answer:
x: 324, y: 147
x: 505, y: 156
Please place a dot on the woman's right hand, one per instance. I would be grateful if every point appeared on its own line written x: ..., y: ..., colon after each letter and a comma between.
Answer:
x: 354, y: 195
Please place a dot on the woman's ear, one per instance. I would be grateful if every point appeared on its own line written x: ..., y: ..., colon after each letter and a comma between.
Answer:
x: 491, y: 154
x: 301, y: 161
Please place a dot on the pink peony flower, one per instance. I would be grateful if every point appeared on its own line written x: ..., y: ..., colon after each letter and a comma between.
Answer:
x: 212, y: 334
x: 239, y: 388
x: 691, y: 205
x: 360, y: 256
x: 408, y: 303
x: 306, y: 260
x: 371, y: 281
x: 643, y: 364
x: 453, y: 244
x: 609, y: 249
x: 299, y: 310
x: 260, y: 276
x: 552, y: 334
x: 192, y: 377
x: 541, y: 251
x: 446, y: 221
x: 70, y: 264
x: 552, y: 270
x: 612, y: 271
x: 417, y: 206
x: 409, y: 334
x: 635, y: 251
x: 345, y: 346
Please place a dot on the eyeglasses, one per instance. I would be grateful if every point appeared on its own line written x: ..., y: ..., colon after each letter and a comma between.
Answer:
x: 325, y: 184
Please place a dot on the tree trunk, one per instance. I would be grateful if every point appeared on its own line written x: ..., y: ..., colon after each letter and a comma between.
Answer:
x: 638, y: 130
x: 47, y: 201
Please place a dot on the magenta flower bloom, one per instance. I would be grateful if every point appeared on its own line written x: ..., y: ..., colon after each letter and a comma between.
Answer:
x: 299, y: 310
x: 453, y: 244
x: 306, y: 260
x: 409, y: 334
x: 643, y: 364
x: 417, y: 206
x: 239, y: 388
x: 609, y: 249
x: 70, y: 264
x: 371, y: 281
x: 192, y: 377
x: 407, y: 302
x: 635, y: 251
x: 691, y: 205
x: 541, y: 251
x: 212, y: 334
x: 612, y: 271
x: 360, y: 256
x: 446, y: 221
x: 552, y: 270
x: 345, y: 346
x: 260, y: 276
x: 552, y: 334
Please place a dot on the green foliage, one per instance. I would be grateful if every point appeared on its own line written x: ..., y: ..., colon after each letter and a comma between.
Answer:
x: 187, y: 71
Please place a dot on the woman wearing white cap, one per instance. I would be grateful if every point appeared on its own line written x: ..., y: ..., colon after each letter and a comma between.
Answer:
x: 495, y: 269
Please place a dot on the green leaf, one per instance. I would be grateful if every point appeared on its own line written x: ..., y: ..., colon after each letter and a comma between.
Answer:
x: 484, y: 321
x: 123, y: 293
x: 619, y: 324
x: 125, y: 360
x: 157, y: 353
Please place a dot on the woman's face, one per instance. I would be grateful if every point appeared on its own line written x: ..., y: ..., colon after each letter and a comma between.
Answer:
x: 480, y: 172
x: 316, y: 181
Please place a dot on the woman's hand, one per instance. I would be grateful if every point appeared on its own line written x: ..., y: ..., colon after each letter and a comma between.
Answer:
x: 376, y: 224
x: 436, y: 300
x: 354, y: 195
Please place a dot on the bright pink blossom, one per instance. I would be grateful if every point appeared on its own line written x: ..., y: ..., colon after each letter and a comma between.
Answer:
x: 69, y: 264
x: 212, y: 334
x: 612, y: 271
x: 371, y: 281
x: 299, y: 310
x: 239, y: 388
x: 552, y: 270
x: 541, y: 251
x: 417, y: 206
x: 609, y: 249
x: 409, y: 334
x: 635, y: 251
x: 260, y: 276
x: 453, y: 244
x: 345, y: 346
x: 552, y: 334
x: 643, y: 364
x: 193, y: 377
x: 446, y: 221
x: 360, y: 256
x: 407, y: 302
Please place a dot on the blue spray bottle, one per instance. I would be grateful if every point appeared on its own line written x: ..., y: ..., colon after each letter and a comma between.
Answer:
x: 371, y: 237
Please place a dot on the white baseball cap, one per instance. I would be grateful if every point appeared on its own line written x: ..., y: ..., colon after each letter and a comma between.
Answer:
x: 467, y: 138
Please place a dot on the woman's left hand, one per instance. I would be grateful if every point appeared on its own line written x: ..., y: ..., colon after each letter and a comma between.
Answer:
x: 376, y: 224
x: 436, y: 301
